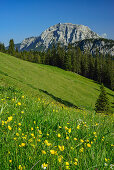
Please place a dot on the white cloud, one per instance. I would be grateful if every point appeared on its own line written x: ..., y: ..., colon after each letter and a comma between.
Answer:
x: 104, y: 35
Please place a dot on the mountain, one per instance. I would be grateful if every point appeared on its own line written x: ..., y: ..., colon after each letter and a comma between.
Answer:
x: 101, y: 45
x: 64, y: 33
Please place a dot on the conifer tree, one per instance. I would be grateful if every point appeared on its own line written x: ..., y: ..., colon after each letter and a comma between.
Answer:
x: 102, y: 103
x: 11, y: 49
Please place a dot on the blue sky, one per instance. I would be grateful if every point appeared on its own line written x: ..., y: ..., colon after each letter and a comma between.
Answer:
x: 20, y: 19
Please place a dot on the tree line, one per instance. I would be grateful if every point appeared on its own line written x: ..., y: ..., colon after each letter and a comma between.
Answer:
x: 98, y: 67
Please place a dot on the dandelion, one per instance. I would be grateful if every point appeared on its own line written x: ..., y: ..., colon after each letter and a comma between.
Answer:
x: 19, y: 124
x: 44, y: 166
x: 9, y: 127
x: 22, y: 111
x: 23, y: 97
x: 59, y: 135
x: 43, y: 152
x: 60, y: 127
x: 89, y: 145
x: 10, y: 161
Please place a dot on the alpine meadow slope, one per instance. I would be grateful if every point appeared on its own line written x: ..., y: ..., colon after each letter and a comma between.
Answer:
x: 50, y: 82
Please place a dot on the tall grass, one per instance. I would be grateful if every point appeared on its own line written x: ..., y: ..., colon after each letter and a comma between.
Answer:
x: 36, y: 134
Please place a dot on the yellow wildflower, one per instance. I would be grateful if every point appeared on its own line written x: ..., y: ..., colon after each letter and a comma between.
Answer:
x: 53, y: 152
x: 81, y: 140
x: 61, y: 148
x: 75, y: 159
x: 17, y: 134
x: 75, y: 163
x: 78, y: 127
x: 94, y: 133
x: 19, y: 103
x: 89, y: 145
x: 82, y: 149
x: 75, y: 138
x: 23, y: 144
x: 60, y: 158
x: 43, y: 152
x: 59, y: 135
x: 15, y: 138
x: 44, y: 166
x: 19, y: 129
x: 59, y: 127
x: 32, y: 134
x: 69, y: 130
x: 40, y: 132
x: 66, y: 128
x: 20, y: 167
x: 19, y: 124
x: 9, y: 127
x: 67, y: 137
x: 32, y: 128
x: 22, y: 111
x: 9, y: 119
x: 23, y: 97
x: 10, y: 161
x: 106, y: 159
x: 67, y: 163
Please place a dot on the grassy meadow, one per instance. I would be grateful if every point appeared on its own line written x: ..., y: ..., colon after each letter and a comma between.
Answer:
x: 50, y: 82
x: 47, y: 119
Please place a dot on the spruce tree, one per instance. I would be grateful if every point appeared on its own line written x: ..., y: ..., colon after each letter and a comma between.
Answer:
x: 11, y: 49
x: 102, y: 103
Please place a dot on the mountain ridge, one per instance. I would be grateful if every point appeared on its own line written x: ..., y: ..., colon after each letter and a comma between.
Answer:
x: 66, y: 33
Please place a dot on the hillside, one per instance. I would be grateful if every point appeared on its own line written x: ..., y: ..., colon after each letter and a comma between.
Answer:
x: 49, y: 82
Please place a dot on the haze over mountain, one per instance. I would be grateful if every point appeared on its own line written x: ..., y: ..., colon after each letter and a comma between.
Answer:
x: 65, y: 33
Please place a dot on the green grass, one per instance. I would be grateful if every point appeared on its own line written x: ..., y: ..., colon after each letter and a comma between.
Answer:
x: 50, y: 82
x: 27, y: 124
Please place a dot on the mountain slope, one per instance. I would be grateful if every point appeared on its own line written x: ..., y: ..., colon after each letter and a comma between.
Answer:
x: 101, y: 45
x: 64, y: 33
x: 49, y: 82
